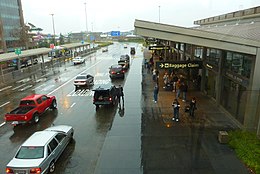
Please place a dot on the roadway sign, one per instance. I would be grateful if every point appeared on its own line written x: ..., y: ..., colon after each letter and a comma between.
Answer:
x: 17, y: 51
x: 179, y: 64
x: 52, y: 46
x: 115, y: 33
x: 159, y: 47
x: 92, y: 37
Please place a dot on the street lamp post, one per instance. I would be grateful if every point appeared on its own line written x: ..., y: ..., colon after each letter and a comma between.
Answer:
x: 53, y: 28
x: 86, y: 17
x: 159, y: 14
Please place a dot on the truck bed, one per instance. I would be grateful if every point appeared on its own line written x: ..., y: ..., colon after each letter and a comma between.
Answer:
x: 21, y: 110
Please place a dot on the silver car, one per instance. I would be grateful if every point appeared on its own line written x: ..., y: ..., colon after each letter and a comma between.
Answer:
x: 78, y: 60
x: 40, y: 151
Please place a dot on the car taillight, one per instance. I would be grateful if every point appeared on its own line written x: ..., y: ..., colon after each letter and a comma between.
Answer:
x: 35, y: 170
x: 110, y: 99
x: 8, y: 170
x: 113, y: 72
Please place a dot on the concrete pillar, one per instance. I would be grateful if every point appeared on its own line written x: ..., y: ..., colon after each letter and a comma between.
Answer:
x: 219, y: 79
x: 251, y: 119
x: 203, y: 73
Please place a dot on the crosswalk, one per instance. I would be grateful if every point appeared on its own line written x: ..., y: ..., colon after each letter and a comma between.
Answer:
x: 81, y: 93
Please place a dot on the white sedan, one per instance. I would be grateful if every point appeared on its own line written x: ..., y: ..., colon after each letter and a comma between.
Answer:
x: 78, y: 60
x: 39, y: 153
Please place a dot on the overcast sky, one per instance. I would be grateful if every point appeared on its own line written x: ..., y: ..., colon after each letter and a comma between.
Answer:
x: 119, y: 15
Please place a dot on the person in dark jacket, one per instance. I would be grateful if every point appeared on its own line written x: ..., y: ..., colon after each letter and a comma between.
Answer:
x: 176, y: 107
x: 184, y: 90
x: 193, y: 106
x: 155, y: 93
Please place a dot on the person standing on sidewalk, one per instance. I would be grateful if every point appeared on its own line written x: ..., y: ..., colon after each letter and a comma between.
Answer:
x: 184, y: 89
x: 121, y: 94
x: 193, y: 106
x: 178, y: 90
x: 155, y: 93
x: 176, y: 107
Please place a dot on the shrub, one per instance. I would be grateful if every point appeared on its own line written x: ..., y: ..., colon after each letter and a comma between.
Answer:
x: 247, y: 147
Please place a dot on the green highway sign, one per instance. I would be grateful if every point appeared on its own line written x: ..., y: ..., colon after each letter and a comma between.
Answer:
x: 18, y: 51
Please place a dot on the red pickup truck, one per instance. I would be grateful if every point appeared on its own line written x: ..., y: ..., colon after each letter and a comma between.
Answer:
x: 30, y: 108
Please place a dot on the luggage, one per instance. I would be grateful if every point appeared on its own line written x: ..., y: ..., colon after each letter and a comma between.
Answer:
x: 187, y: 108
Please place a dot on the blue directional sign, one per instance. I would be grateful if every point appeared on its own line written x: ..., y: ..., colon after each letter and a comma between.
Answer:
x: 115, y: 33
x: 92, y: 37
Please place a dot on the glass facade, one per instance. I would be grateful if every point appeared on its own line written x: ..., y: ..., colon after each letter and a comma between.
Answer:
x: 213, y: 56
x: 210, y: 84
x: 234, y: 99
x: 239, y: 63
x: 10, y: 17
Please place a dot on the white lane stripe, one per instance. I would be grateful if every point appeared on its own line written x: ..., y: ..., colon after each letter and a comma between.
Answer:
x: 72, y: 79
x: 72, y: 105
x: 2, y: 124
x: 4, y: 104
x: 18, y: 87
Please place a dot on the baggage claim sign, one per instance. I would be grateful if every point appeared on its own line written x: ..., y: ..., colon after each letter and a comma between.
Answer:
x: 179, y: 65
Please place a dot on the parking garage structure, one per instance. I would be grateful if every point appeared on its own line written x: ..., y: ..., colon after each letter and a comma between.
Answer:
x: 228, y: 47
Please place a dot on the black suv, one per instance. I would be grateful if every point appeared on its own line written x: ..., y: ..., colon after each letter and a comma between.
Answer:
x: 105, y: 96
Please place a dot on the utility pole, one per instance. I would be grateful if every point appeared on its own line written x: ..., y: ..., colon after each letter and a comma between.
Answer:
x: 86, y: 17
x: 53, y: 28
x: 159, y: 14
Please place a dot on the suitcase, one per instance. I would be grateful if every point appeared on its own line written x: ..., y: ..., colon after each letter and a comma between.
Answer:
x: 187, y: 108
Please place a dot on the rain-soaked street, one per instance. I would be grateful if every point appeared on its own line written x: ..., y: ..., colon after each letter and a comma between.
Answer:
x: 139, y: 137
x: 75, y: 108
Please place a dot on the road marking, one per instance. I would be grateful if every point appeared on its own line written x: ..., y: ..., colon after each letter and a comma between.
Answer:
x: 2, y: 124
x: 4, y: 104
x: 39, y: 86
x: 72, y: 105
x: 5, y: 88
x: 18, y: 87
x: 72, y: 79
x: 84, y: 92
x: 27, y: 87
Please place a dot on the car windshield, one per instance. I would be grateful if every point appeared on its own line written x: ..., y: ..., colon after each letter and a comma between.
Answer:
x: 81, y: 77
x: 30, y: 152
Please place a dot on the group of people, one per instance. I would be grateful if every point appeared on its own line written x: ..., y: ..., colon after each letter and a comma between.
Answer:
x: 176, y: 108
x: 180, y: 87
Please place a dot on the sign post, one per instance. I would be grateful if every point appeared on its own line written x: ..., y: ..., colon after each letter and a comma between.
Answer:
x: 18, y: 52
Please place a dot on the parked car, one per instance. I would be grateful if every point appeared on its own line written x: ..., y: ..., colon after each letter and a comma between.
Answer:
x: 83, y: 80
x: 78, y: 60
x: 116, y: 71
x: 30, y: 109
x: 105, y: 95
x: 39, y: 153
x: 125, y: 45
x: 132, y: 50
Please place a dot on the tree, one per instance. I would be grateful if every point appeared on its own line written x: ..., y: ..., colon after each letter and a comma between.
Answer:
x: 61, y: 39
x: 22, y: 36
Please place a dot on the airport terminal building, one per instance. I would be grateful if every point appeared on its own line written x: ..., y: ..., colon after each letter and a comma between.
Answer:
x: 228, y: 48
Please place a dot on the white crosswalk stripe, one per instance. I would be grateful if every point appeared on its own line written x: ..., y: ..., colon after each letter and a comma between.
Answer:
x: 81, y: 92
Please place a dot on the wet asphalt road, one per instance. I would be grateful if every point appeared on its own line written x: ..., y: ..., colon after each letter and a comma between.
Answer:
x: 75, y: 108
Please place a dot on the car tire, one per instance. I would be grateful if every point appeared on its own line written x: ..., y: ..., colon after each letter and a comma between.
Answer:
x: 54, y: 104
x: 52, y: 167
x: 36, y: 118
